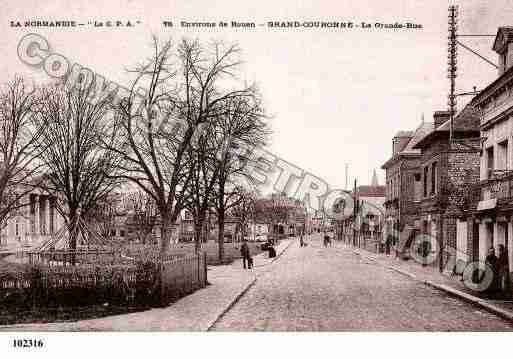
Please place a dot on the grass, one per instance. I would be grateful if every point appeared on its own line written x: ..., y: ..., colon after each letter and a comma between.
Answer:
x: 49, y: 315
x: 231, y: 250
x: 55, y: 315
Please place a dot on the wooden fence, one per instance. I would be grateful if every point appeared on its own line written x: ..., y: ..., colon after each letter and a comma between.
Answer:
x: 145, y: 284
x: 181, y: 276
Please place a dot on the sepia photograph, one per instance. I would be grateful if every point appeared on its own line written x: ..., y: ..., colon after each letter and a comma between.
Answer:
x: 339, y: 170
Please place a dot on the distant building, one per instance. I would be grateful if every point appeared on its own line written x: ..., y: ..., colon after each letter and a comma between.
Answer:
x: 363, y: 227
x: 403, y: 191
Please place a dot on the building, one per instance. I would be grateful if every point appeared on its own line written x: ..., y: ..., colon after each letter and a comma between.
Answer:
x: 493, y: 216
x: 448, y: 170
x: 403, y: 185
x: 33, y: 224
x: 285, y: 216
x: 363, y: 227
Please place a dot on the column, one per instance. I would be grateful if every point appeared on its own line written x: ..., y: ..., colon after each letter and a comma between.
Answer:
x: 500, y: 235
x: 27, y: 232
x: 48, y: 215
x: 42, y: 215
x: 36, y: 216
x: 497, y: 231
x: 510, y: 245
x: 485, y: 240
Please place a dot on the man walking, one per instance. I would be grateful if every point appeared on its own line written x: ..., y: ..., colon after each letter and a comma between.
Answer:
x: 246, y: 255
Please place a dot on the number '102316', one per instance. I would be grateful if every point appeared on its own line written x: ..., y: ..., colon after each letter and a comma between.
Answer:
x: 28, y: 343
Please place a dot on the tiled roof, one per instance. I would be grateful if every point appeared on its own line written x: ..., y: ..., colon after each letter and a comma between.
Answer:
x: 404, y: 134
x: 420, y: 133
x: 371, y: 191
x: 466, y: 120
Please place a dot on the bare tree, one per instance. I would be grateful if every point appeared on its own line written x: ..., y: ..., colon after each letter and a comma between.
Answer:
x: 243, y: 209
x: 204, y: 172
x: 19, y: 151
x: 172, y: 97
x: 103, y: 215
x: 142, y: 215
x: 241, y: 129
x: 78, y: 169
x: 272, y: 211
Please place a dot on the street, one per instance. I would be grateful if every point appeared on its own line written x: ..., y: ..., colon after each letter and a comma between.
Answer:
x: 332, y: 289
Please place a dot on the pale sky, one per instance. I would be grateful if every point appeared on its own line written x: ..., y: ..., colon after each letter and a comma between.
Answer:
x: 337, y: 96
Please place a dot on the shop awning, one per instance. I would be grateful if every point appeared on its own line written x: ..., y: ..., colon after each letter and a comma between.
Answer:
x: 487, y: 204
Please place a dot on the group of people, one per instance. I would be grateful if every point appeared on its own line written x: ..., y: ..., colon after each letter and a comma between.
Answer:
x: 500, y: 269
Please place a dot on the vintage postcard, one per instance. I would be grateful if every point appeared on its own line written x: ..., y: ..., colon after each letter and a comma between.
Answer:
x: 294, y: 166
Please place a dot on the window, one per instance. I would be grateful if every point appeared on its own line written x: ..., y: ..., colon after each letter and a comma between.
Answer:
x: 433, y: 178
x: 417, y: 187
x: 502, y: 155
x: 425, y: 181
x: 489, y: 162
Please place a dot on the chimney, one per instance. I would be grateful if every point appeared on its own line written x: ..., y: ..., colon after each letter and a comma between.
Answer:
x: 440, y: 117
x: 503, y: 46
x: 400, y: 141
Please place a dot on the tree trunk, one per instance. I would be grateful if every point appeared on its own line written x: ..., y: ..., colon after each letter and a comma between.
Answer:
x: 73, y: 234
x: 220, y: 235
x: 198, y: 229
x: 165, y: 234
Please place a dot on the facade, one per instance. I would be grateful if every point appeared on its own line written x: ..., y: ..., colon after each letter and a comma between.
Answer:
x: 493, y: 216
x: 449, y: 171
x: 33, y: 224
x: 363, y: 227
x: 285, y: 216
x: 403, y: 185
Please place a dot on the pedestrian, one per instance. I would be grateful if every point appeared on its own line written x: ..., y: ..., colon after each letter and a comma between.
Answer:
x: 503, y: 268
x: 492, y: 262
x: 301, y: 240
x: 272, y: 251
x: 327, y: 239
x: 246, y: 255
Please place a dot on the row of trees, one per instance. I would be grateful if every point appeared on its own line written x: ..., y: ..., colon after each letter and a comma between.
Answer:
x: 181, y: 135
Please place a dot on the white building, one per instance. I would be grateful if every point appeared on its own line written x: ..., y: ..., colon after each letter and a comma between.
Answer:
x: 32, y: 224
x: 494, y: 218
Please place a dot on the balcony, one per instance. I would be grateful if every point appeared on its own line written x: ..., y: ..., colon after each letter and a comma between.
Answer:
x: 499, y: 186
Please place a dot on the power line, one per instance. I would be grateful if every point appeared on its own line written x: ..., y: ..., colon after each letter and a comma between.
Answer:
x: 477, y: 54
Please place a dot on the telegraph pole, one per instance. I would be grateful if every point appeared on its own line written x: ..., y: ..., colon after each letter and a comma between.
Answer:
x: 452, y: 62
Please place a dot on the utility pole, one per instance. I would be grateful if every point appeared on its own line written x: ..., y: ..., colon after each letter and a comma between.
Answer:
x: 452, y: 62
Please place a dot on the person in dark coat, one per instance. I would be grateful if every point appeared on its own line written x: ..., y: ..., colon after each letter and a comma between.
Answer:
x: 492, y: 262
x: 503, y: 268
x: 246, y: 255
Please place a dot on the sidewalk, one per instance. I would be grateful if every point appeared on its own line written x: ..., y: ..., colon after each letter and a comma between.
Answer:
x: 450, y: 284
x: 195, y: 312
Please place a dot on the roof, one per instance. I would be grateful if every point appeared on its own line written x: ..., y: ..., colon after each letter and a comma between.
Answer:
x: 466, y: 122
x: 404, y: 134
x: 409, y: 150
x: 504, y: 35
x: 370, y: 191
x: 421, y: 131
